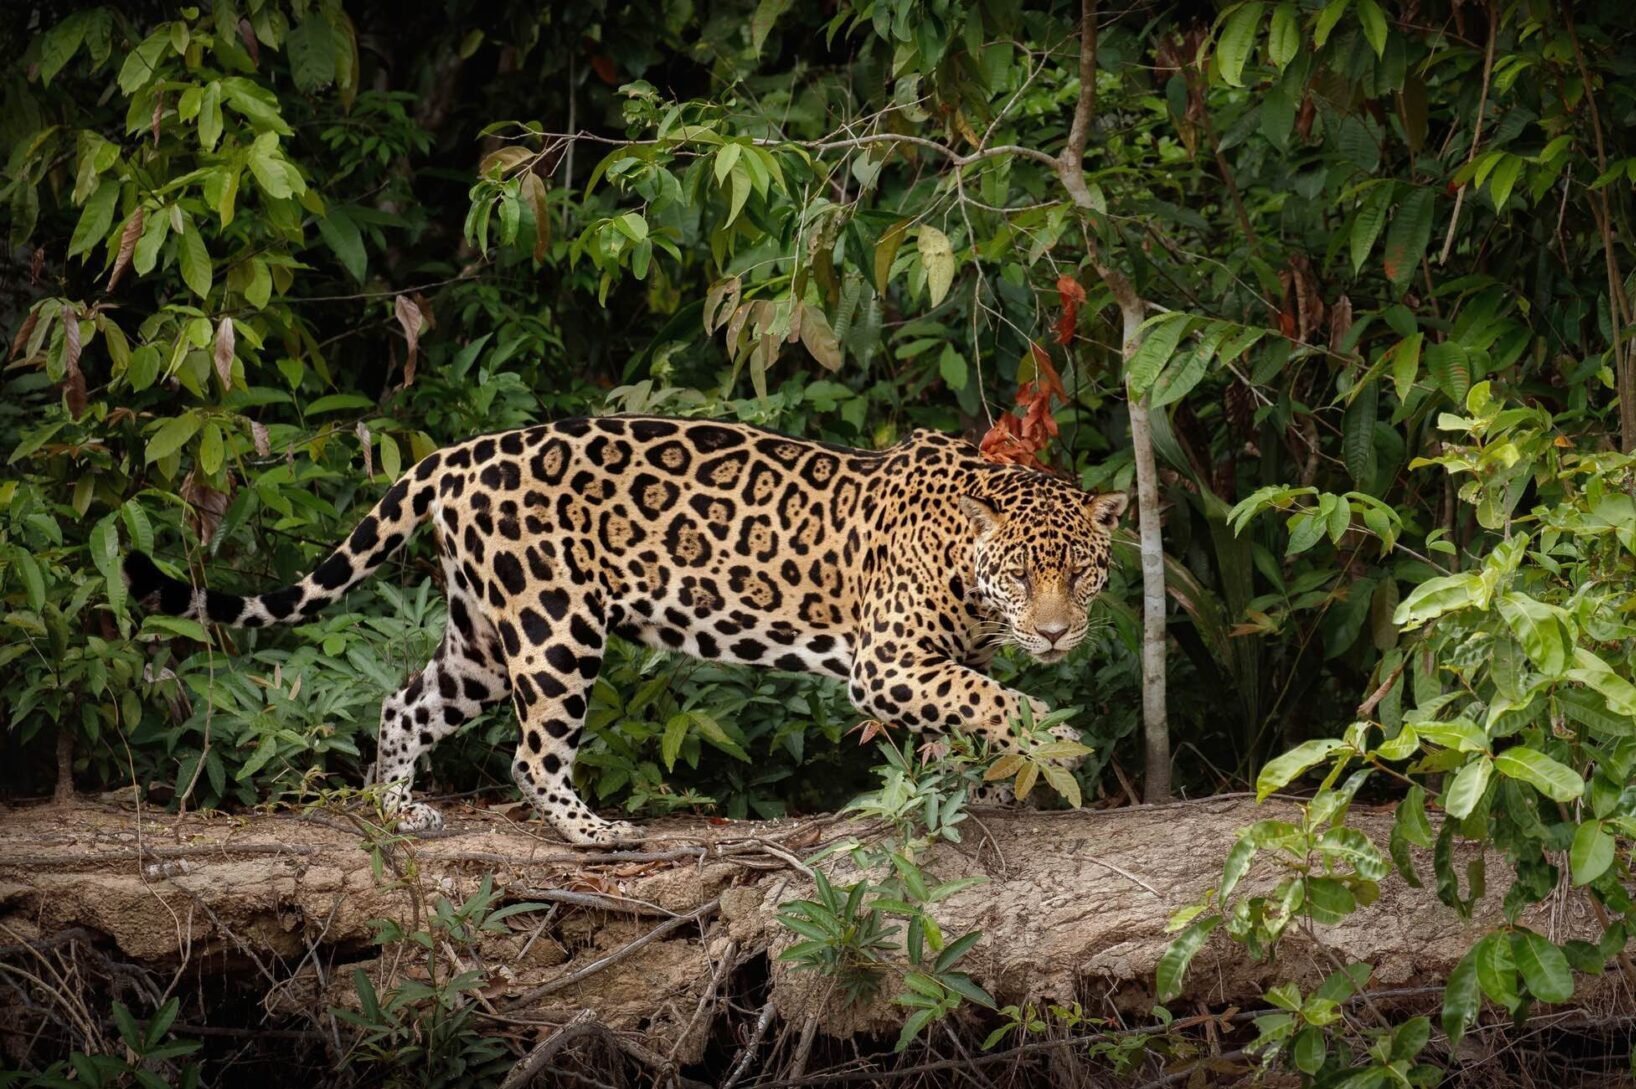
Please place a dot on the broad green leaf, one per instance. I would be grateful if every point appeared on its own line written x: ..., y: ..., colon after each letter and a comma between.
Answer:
x: 172, y: 435
x: 1358, y: 435
x: 1158, y: 343
x: 1497, y: 969
x: 1450, y: 367
x: 1467, y: 787
x: 1237, y: 41
x: 210, y: 116
x: 1408, y: 235
x: 195, y: 260
x: 1374, y: 25
x: 1461, y: 998
x: 1406, y: 364
x: 1538, y: 629
x: 1434, y: 597
x: 1328, y: 900
x: 1283, y: 35
x: 1590, y: 670
x: 1280, y: 770
x: 314, y: 48
x: 1543, y: 965
x: 344, y: 239
x: 1172, y: 969
x: 1592, y: 852
x: 1555, y: 780
x: 105, y: 555
x: 96, y: 218
x: 1368, y: 222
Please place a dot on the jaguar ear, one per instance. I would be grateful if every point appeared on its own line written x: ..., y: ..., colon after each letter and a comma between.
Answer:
x: 981, y: 512
x: 1106, y: 509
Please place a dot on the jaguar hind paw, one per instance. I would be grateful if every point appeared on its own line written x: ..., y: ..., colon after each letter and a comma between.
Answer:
x: 418, y: 818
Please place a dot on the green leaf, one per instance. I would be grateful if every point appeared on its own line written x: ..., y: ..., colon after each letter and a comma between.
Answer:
x: 1555, y: 780
x: 95, y: 219
x: 1544, y: 967
x: 1592, y: 852
x: 105, y: 555
x: 1172, y: 968
x: 937, y: 255
x: 60, y: 43
x: 670, y: 747
x: 1497, y: 969
x: 1358, y: 435
x: 1406, y: 364
x: 1238, y: 41
x: 1461, y: 1000
x: 1537, y: 628
x: 1328, y: 900
x: 1158, y: 343
x: 195, y: 260
x: 1309, y: 1050
x: 1327, y: 18
x: 344, y: 239
x: 1450, y: 367
x: 314, y: 48
x: 1178, y: 378
x: 142, y: 63
x: 1504, y: 177
x: 1467, y: 789
x: 1369, y: 221
x: 1283, y: 35
x: 210, y: 116
x: 1374, y: 25
x: 1410, y: 231
x: 1280, y: 770
x: 1411, y: 816
x: 172, y: 435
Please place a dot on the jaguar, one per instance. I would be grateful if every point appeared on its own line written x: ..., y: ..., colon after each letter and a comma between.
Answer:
x: 898, y: 571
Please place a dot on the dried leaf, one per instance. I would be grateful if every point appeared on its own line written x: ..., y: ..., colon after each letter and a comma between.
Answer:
x: 820, y: 339
x: 73, y: 379
x: 533, y: 191
x: 21, y: 339
x: 367, y: 442
x: 206, y: 506
x: 258, y: 438
x: 223, y: 353
x: 869, y: 729
x: 720, y: 300
x: 247, y: 34
x: 1071, y: 295
x: 127, y: 246
x: 158, y: 115
x: 1340, y: 322
x: 937, y: 255
x: 412, y: 321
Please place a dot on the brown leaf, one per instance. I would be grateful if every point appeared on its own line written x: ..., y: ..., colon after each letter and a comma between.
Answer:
x: 73, y: 379
x: 36, y: 268
x: 720, y: 300
x: 224, y: 352
x: 412, y: 321
x: 369, y: 449
x: 1071, y: 295
x: 1340, y: 322
x: 258, y: 438
x: 247, y: 34
x: 869, y: 729
x: 206, y: 506
x: 533, y: 191
x: 127, y: 246
x: 158, y: 114
x: 20, y: 341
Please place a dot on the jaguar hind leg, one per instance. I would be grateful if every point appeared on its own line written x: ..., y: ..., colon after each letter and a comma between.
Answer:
x: 551, y: 676
x: 455, y: 685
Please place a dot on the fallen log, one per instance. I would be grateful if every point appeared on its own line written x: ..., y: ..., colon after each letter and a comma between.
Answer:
x: 652, y: 946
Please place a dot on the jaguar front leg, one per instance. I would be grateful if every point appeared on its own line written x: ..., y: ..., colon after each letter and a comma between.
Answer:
x: 938, y: 694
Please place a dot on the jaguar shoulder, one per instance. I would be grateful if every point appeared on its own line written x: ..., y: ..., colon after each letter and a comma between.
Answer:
x: 899, y: 571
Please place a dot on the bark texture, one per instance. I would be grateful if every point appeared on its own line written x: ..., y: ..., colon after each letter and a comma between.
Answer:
x: 1074, y: 908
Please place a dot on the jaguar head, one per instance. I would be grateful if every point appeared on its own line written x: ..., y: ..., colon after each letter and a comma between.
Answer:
x: 1041, y: 555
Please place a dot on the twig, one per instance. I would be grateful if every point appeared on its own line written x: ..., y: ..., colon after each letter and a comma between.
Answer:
x: 583, y: 1023
x: 615, y: 957
x: 1476, y: 137
x: 595, y: 900
x: 751, y: 1046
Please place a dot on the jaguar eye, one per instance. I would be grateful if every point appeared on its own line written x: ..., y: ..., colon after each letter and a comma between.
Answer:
x: 1018, y: 574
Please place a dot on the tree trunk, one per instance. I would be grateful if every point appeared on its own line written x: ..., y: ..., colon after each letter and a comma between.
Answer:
x: 278, y: 910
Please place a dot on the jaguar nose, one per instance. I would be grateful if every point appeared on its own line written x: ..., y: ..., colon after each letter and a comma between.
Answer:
x: 1052, y: 633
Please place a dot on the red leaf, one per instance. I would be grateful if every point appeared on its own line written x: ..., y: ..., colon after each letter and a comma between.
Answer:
x: 1071, y: 295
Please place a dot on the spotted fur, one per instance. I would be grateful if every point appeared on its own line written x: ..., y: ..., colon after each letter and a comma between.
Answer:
x: 899, y: 571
